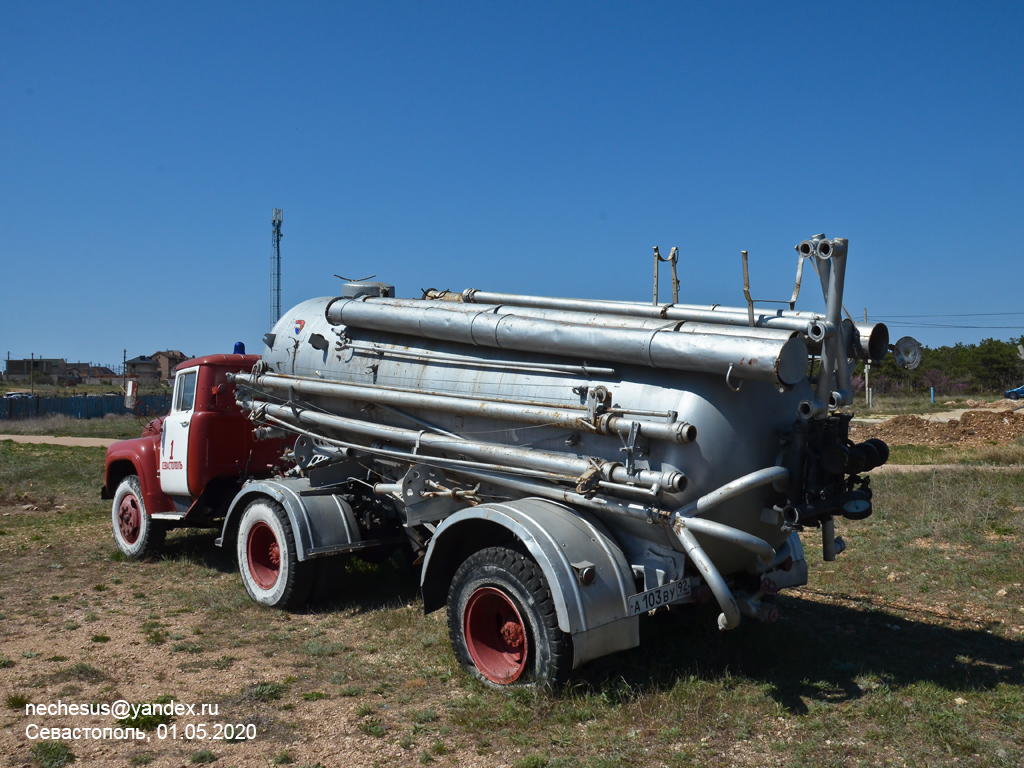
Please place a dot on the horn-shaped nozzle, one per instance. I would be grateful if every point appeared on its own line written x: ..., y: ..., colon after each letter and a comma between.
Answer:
x: 870, y: 341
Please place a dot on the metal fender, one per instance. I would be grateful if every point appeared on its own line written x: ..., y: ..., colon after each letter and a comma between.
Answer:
x: 139, y: 456
x: 322, y: 522
x: 563, y: 541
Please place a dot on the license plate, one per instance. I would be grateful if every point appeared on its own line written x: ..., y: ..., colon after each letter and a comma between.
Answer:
x: 655, y: 598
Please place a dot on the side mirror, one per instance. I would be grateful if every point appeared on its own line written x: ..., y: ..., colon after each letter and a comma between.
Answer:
x: 131, y: 394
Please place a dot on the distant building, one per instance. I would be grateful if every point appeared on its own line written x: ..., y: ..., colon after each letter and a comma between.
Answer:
x: 155, y: 368
x: 144, y: 369
x: 101, y: 372
x: 35, y: 368
x: 167, y: 360
x: 77, y: 373
x: 87, y: 373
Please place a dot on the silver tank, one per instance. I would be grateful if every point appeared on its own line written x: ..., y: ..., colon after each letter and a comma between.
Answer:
x: 735, y: 423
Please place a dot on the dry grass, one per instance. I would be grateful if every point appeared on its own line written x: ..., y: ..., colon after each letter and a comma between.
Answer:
x: 923, y: 668
x: 1011, y: 455
x: 895, y: 405
x: 111, y: 425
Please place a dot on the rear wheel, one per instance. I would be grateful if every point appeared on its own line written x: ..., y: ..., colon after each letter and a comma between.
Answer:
x: 136, y: 534
x: 267, y: 557
x: 502, y: 621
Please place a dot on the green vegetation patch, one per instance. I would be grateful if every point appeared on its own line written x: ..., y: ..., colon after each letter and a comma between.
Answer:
x: 45, y: 475
x: 264, y: 692
x: 52, y: 754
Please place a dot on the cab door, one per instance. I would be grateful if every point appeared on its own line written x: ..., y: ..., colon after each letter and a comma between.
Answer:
x: 174, y: 441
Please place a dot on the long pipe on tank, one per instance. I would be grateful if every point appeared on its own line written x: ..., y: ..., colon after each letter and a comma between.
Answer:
x: 777, y: 362
x: 677, y: 432
x: 444, y: 358
x: 606, y: 320
x: 870, y: 341
x: 671, y: 481
x: 808, y: 324
x: 867, y: 341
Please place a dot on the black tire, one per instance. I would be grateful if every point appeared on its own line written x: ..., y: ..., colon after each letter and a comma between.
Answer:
x: 503, y: 624
x: 1014, y: 396
x: 136, y: 534
x: 267, y: 557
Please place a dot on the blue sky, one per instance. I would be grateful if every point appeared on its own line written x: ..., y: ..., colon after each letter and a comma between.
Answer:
x: 525, y: 147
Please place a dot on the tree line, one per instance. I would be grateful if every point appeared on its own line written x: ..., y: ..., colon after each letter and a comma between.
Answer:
x: 991, y: 366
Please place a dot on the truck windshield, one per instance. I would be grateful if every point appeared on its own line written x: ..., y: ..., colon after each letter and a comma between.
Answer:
x: 185, y: 397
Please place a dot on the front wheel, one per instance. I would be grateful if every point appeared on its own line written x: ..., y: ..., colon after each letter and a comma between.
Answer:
x: 1013, y: 396
x: 136, y: 534
x: 502, y: 621
x: 267, y: 559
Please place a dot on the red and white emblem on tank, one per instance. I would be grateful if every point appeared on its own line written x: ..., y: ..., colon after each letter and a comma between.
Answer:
x: 299, y: 325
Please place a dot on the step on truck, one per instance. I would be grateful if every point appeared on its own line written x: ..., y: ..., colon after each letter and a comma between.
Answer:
x: 558, y: 467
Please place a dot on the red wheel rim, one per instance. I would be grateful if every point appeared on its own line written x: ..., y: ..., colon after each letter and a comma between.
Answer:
x: 129, y: 518
x: 495, y: 635
x: 264, y: 555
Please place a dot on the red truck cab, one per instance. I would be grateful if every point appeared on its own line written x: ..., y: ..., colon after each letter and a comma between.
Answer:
x: 188, y: 465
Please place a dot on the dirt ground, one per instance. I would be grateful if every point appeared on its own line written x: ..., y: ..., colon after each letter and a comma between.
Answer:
x: 82, y: 442
x: 77, y: 596
x: 89, y: 630
x: 974, y: 428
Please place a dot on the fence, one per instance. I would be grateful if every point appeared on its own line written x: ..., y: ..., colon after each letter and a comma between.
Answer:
x: 80, y: 406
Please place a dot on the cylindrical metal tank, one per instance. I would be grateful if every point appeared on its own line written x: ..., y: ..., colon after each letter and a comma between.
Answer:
x: 737, y: 394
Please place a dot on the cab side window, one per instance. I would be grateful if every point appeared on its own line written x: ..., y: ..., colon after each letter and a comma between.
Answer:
x: 185, y: 391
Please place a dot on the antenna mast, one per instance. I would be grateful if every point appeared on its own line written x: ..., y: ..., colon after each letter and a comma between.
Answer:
x: 275, y: 266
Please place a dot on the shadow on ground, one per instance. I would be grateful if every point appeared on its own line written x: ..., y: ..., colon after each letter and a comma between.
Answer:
x: 815, y: 653
x: 196, y: 545
x: 340, y: 583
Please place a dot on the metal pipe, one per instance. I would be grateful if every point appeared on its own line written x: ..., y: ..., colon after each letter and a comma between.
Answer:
x: 731, y: 490
x: 652, y: 322
x: 596, y: 503
x: 700, y: 323
x: 529, y: 458
x: 779, y: 363
x: 780, y: 334
x: 416, y: 420
x: 870, y: 340
x: 828, y: 539
x: 685, y: 525
x: 503, y: 365
x: 782, y: 319
x: 833, y: 374
x: 729, y: 618
x: 840, y: 397
x: 677, y: 432
x: 810, y: 409
x: 765, y: 552
x: 497, y: 475
x: 473, y: 469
